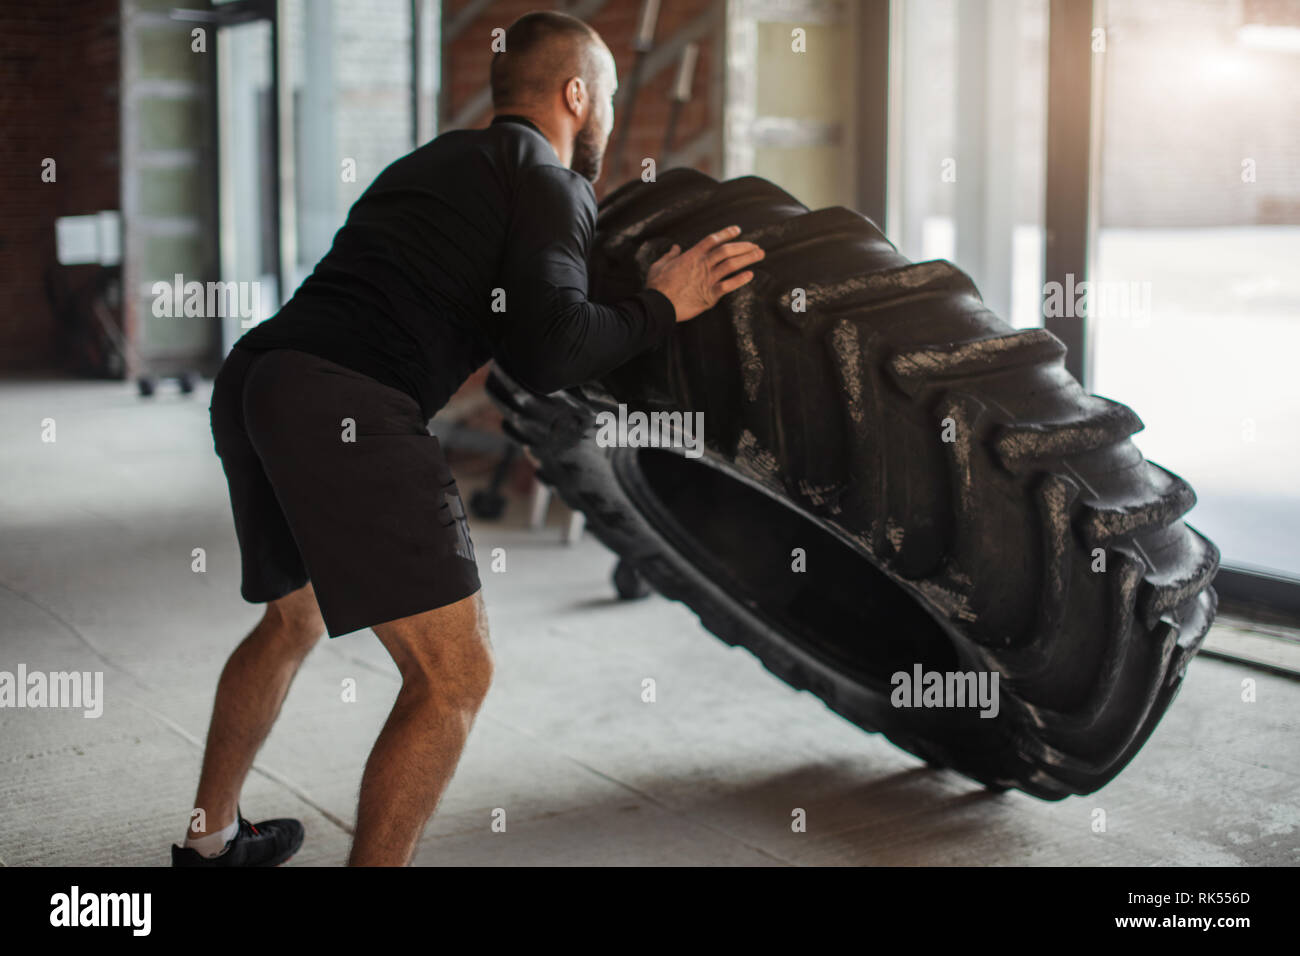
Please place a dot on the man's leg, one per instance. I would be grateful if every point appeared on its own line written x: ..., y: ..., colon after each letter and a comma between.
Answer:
x: 253, y: 685
x: 445, y: 659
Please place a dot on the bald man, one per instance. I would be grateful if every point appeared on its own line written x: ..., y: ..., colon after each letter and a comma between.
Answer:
x: 472, y: 247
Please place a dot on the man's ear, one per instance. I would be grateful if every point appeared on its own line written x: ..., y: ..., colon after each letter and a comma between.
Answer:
x: 575, y: 95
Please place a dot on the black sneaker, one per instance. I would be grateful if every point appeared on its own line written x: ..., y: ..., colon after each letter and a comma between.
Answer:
x: 268, y: 843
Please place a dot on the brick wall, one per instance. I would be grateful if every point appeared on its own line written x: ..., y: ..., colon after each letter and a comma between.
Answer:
x: 59, y: 63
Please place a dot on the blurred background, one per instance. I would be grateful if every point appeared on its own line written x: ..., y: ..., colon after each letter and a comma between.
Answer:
x: 226, y: 141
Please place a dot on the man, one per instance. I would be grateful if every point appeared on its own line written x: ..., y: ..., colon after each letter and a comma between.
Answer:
x: 474, y: 246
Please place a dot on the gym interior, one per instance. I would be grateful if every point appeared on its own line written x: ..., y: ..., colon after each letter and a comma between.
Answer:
x: 1119, y: 179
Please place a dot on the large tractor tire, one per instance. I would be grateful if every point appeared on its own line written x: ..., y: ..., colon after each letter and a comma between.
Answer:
x: 957, y: 501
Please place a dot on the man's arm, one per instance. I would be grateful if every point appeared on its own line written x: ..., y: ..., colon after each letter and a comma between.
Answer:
x: 550, y: 336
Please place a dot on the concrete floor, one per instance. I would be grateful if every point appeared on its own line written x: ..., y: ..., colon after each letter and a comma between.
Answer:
x: 96, y: 535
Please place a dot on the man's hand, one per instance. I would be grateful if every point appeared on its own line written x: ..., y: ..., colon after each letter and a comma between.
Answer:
x: 696, y: 279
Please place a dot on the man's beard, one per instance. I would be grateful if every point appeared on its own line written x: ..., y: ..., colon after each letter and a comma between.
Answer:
x: 588, y: 152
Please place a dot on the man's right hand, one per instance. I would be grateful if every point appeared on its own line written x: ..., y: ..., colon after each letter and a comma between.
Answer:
x: 696, y: 279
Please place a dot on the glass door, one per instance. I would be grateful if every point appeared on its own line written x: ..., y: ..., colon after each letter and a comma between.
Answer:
x: 1197, y: 320
x: 249, y: 162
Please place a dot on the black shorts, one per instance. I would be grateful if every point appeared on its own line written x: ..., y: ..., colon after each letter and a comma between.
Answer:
x: 335, y: 479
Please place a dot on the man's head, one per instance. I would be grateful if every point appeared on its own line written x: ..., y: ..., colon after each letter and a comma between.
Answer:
x: 557, y: 71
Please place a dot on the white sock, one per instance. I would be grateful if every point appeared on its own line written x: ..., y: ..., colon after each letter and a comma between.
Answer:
x: 212, y: 844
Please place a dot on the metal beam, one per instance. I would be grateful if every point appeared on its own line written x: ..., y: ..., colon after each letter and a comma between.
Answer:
x: 1247, y: 590
x: 870, y: 150
x: 1069, y: 160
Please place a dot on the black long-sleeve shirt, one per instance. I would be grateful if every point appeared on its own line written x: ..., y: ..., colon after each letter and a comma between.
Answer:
x: 473, y: 246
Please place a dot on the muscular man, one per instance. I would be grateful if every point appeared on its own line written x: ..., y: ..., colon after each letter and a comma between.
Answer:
x: 346, y: 513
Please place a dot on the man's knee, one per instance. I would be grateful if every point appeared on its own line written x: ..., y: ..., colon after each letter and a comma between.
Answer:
x: 445, y: 653
x: 471, y: 685
x: 296, y: 618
